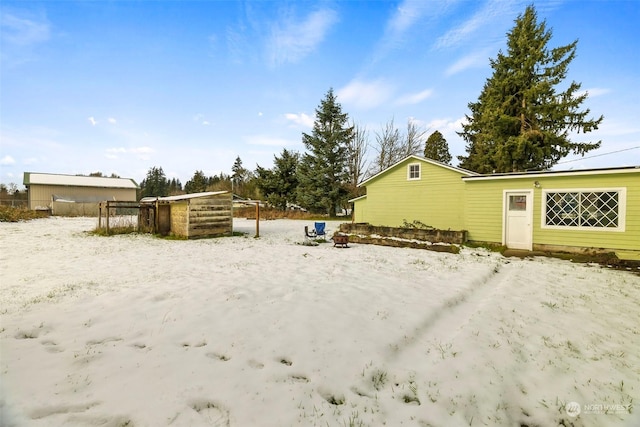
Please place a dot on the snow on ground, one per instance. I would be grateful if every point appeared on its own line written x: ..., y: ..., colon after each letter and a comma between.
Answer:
x: 140, y: 331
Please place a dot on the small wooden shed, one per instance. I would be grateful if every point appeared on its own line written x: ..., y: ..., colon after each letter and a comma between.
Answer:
x: 193, y: 216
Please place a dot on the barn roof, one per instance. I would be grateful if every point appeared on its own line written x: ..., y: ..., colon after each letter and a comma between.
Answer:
x: 31, y: 178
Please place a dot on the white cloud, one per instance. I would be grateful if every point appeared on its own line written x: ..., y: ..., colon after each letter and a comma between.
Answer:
x: 22, y: 31
x: 140, y: 152
x: 293, y: 40
x: 414, y: 98
x: 593, y: 92
x: 92, y: 121
x: 199, y: 118
x: 116, y: 150
x: 112, y: 120
x: 21, y: 36
x: 492, y: 16
x: 406, y: 14
x: 365, y: 94
x: 473, y: 60
x: 300, y: 119
x: 446, y: 125
x: 30, y: 161
x: 7, y: 160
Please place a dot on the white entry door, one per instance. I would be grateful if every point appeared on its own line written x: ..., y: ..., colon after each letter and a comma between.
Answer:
x: 518, y: 220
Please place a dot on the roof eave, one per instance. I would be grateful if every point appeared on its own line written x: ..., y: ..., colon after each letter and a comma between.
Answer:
x: 521, y: 175
x: 422, y: 159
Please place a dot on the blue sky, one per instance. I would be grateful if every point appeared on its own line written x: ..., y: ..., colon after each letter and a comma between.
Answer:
x: 121, y: 86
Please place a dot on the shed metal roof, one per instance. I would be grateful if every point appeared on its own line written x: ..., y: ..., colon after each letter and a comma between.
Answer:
x: 181, y: 197
x: 34, y: 178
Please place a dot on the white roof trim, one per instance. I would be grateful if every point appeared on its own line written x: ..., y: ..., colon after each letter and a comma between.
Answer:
x: 520, y: 175
x: 357, y: 198
x: 422, y: 159
x: 34, y: 178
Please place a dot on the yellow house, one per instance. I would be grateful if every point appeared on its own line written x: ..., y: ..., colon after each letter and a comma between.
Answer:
x: 555, y: 210
x: 414, y: 189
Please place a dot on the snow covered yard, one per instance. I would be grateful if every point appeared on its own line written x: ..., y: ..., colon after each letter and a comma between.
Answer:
x: 139, y: 331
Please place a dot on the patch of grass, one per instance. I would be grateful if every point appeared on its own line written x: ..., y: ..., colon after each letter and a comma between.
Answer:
x: 416, y: 224
x: 493, y: 247
x: 15, y: 214
x: 378, y: 379
x: 124, y: 224
x: 113, y: 231
x: 354, y: 420
x: 171, y: 236
x: 551, y: 305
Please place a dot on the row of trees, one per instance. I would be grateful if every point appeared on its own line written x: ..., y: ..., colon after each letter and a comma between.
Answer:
x: 324, y: 177
x: 520, y: 122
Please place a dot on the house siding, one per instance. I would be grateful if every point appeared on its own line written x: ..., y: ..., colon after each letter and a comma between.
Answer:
x: 360, y: 210
x: 436, y: 199
x: 484, y: 216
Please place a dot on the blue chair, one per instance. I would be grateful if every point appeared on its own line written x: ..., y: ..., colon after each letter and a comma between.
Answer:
x: 320, y: 230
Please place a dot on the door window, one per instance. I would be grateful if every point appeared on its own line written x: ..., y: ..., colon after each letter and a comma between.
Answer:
x: 517, y: 203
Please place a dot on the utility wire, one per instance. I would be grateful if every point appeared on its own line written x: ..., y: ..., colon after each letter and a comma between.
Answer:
x: 599, y: 155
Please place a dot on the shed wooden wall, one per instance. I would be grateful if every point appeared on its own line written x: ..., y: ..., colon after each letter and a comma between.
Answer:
x: 210, y: 216
x: 180, y: 218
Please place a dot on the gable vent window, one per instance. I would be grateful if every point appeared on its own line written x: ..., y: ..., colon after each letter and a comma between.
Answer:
x: 585, y: 209
x: 414, y: 171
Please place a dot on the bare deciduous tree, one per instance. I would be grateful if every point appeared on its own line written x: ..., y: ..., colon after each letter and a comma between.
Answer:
x: 414, y: 139
x: 388, y: 147
x: 358, y: 148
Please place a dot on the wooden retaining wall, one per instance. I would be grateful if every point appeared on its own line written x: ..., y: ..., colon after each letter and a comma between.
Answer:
x: 425, y: 235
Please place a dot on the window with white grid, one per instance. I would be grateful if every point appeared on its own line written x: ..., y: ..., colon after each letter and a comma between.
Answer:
x: 413, y: 171
x: 584, y: 209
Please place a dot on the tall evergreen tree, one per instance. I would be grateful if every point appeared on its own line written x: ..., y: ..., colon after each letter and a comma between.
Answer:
x: 197, y: 184
x: 520, y: 121
x: 239, y: 176
x: 279, y: 184
x: 436, y: 148
x: 175, y: 187
x: 155, y: 183
x: 323, y: 170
